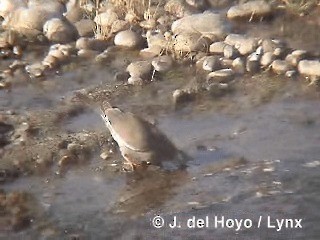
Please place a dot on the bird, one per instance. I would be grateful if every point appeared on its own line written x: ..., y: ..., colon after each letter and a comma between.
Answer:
x: 140, y: 142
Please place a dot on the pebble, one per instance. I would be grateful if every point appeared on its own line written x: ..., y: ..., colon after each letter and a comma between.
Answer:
x: 221, y: 76
x: 238, y: 65
x: 137, y: 81
x: 35, y: 69
x: 60, y: 31
x: 250, y: 10
x: 244, y: 44
x: 280, y: 66
x: 253, y: 63
x: 87, y: 53
x: 211, y: 63
x: 139, y: 69
x: 128, y: 38
x: 295, y: 57
x: 189, y: 42
x: 266, y: 59
x: 309, y: 67
x: 230, y: 52
x: 269, y: 45
x: 217, y: 47
x: 206, y: 24
x: 91, y: 44
x: 30, y: 21
x: 50, y: 61
x: 182, y: 96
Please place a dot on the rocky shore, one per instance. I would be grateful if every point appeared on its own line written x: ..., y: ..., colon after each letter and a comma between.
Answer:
x: 178, y: 51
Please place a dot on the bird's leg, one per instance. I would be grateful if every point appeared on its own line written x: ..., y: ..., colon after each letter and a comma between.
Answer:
x: 130, y: 163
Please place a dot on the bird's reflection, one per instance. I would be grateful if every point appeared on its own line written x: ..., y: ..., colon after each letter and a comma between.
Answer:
x: 148, y: 189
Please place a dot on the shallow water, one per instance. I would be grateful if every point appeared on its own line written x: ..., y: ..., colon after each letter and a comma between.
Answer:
x: 254, y: 154
x: 245, y: 164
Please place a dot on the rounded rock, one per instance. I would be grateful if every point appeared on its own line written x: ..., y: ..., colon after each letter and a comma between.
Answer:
x: 253, y: 63
x: 139, y: 69
x: 211, y: 63
x: 186, y: 42
x: 244, y: 44
x: 309, y: 67
x: 207, y: 24
x: 128, y: 38
x: 280, y: 66
x: 61, y: 31
x: 221, y: 76
x: 266, y: 59
x: 239, y: 65
x: 137, y: 81
x: 91, y: 44
x: 250, y: 10
x: 217, y: 47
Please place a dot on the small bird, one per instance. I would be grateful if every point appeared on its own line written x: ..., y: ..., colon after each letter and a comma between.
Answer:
x: 140, y: 142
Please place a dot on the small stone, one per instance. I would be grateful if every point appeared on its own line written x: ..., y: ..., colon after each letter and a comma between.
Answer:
x: 266, y: 59
x: 280, y: 66
x: 181, y: 96
x: 137, y: 81
x: 230, y: 52
x: 35, y: 70
x: 221, y: 76
x: 269, y: 45
x: 253, y: 63
x: 121, y: 76
x: 290, y: 73
x: 139, y: 69
x: 50, y: 61
x: 250, y: 10
x: 296, y: 56
x: 128, y: 38
x: 206, y: 24
x: 211, y: 63
x: 244, y: 44
x: 87, y: 53
x: 91, y: 44
x: 104, y: 56
x: 217, y: 47
x: 279, y: 52
x: 189, y: 42
x: 239, y: 65
x: 61, y: 31
x: 309, y: 67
